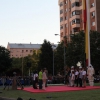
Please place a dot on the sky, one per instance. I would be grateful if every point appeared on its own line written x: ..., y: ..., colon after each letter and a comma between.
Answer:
x: 25, y: 21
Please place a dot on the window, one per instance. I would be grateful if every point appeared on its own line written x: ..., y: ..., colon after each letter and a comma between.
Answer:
x: 61, y: 27
x: 76, y: 12
x: 61, y: 4
x: 61, y: 19
x: 66, y: 18
x: 30, y: 51
x: 75, y: 4
x: 76, y: 21
x: 61, y: 11
x: 66, y: 2
x: 26, y: 50
x: 93, y: 14
x: 93, y: 23
x: 73, y: 13
x: 92, y: 5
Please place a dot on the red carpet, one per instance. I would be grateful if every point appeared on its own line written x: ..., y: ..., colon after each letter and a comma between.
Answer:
x: 59, y: 89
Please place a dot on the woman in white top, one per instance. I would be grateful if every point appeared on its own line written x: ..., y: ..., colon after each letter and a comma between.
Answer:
x: 35, y: 80
x: 44, y: 78
x: 72, y: 79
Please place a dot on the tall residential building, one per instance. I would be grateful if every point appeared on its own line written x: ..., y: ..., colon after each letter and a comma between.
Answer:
x: 72, y: 16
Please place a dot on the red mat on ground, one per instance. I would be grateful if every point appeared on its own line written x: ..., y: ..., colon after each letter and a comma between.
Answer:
x: 59, y: 89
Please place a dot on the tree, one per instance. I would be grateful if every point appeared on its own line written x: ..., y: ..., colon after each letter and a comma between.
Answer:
x: 95, y: 49
x: 46, y: 56
x: 17, y: 62
x: 31, y: 61
x: 59, y: 58
x: 5, y: 60
x: 75, y: 50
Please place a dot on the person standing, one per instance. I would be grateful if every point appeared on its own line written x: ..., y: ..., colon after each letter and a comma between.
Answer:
x: 40, y: 79
x: 72, y: 79
x: 44, y: 78
x: 47, y: 77
x: 35, y: 80
x: 84, y: 77
x: 72, y: 70
x: 76, y: 77
x: 80, y: 76
x: 69, y: 77
x: 90, y: 74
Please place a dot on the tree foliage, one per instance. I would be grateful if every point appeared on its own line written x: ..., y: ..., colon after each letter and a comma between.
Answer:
x: 5, y: 60
x: 76, y: 49
x: 59, y: 58
x: 46, y: 56
x: 29, y: 62
x: 95, y: 49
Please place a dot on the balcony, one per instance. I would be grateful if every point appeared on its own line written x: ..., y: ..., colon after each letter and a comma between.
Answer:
x: 75, y: 17
x: 75, y: 8
x: 76, y: 25
x: 72, y: 1
x: 92, y: 9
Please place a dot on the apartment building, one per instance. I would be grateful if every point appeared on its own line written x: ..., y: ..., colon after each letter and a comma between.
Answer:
x: 72, y: 16
x: 19, y: 50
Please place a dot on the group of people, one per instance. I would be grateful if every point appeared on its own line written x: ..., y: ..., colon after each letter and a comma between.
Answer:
x: 40, y: 78
x: 78, y: 77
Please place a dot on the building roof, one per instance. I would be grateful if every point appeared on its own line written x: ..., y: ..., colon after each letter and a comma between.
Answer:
x: 20, y: 45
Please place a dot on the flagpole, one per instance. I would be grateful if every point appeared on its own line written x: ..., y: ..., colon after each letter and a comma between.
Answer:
x: 88, y: 27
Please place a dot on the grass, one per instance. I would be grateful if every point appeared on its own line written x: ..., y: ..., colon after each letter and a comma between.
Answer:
x: 72, y: 95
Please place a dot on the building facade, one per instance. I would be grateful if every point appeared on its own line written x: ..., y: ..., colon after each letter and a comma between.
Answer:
x: 22, y: 50
x: 72, y: 16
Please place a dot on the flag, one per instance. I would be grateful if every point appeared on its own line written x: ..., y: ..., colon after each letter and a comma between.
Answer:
x: 86, y: 30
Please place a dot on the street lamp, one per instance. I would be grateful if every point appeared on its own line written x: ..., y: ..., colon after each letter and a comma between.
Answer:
x: 53, y: 46
x: 66, y: 39
x: 64, y: 50
x: 22, y: 63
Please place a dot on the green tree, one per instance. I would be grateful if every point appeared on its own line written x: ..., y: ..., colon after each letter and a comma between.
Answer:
x: 5, y: 60
x: 95, y: 49
x: 31, y: 61
x: 75, y: 50
x: 46, y: 56
x: 59, y: 58
x: 16, y: 63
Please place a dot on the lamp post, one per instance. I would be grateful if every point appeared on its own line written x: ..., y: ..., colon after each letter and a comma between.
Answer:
x: 64, y: 51
x: 66, y: 39
x: 22, y: 63
x: 53, y: 46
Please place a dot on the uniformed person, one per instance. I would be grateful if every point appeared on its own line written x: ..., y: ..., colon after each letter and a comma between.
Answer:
x: 90, y: 74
